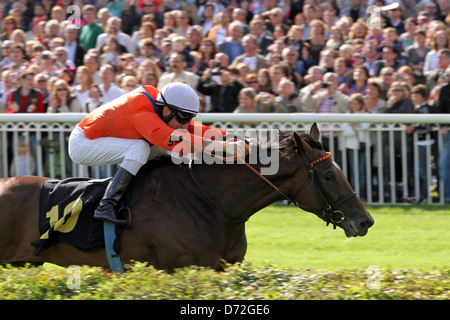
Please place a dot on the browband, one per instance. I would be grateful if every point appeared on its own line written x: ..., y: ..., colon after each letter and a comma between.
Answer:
x: 317, y: 161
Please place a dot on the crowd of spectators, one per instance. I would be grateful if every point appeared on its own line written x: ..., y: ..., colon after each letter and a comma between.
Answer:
x: 241, y: 56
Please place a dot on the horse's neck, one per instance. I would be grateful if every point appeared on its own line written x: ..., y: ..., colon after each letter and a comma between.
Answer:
x: 238, y: 190
x: 235, y: 189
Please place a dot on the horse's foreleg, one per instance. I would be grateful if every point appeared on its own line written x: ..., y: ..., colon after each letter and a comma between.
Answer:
x: 235, y: 251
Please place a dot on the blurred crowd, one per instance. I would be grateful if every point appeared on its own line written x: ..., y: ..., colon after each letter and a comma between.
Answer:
x: 343, y: 56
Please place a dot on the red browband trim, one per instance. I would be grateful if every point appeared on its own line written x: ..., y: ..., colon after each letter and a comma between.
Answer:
x: 313, y: 163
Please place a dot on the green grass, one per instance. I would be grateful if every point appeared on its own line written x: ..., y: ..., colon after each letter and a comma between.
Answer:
x: 413, y: 237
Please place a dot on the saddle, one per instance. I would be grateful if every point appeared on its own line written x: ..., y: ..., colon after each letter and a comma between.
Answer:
x: 66, y: 213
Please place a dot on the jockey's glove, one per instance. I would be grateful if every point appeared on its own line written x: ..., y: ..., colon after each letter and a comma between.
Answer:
x: 237, y: 148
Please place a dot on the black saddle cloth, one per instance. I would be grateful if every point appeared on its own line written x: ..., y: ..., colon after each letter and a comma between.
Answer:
x: 66, y: 214
x: 66, y: 211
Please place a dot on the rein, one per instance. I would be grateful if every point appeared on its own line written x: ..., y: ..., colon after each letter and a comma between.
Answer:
x: 331, y: 215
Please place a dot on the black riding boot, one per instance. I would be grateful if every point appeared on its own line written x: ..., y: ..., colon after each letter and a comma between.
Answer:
x: 116, y: 187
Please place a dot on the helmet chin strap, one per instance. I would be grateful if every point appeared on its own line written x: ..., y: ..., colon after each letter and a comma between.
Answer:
x: 161, y: 108
x: 165, y: 119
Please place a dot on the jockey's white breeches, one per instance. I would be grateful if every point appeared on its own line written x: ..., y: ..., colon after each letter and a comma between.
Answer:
x: 131, y: 154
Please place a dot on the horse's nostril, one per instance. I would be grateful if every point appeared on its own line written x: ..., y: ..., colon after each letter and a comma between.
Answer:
x: 367, y: 223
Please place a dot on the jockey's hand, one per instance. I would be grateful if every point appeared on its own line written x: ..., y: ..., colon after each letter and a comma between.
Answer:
x: 237, y: 148
x: 252, y: 142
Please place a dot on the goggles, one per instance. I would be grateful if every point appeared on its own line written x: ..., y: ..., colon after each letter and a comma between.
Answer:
x: 181, y: 116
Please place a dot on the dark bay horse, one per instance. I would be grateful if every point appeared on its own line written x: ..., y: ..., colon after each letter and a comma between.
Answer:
x: 194, y: 217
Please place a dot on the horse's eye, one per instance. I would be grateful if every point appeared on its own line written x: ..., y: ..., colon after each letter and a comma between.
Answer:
x: 329, y: 177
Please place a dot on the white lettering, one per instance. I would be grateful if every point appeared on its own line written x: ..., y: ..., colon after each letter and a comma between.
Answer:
x: 75, y: 18
x: 374, y: 20
x: 197, y: 310
x: 373, y: 281
x: 265, y: 153
x: 74, y: 280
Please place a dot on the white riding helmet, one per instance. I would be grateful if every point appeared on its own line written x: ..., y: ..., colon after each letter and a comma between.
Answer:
x: 179, y: 96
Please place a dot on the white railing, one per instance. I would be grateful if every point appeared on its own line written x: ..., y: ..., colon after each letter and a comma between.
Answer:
x: 391, y: 156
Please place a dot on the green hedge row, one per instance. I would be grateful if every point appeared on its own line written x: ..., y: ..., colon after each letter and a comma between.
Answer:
x: 237, y: 282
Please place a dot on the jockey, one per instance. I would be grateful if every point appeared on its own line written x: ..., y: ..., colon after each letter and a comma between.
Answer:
x: 123, y: 130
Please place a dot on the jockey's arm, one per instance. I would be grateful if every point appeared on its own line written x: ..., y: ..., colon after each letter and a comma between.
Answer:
x: 197, y: 137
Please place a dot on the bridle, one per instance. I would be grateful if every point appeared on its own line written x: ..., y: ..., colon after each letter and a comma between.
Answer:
x: 329, y: 213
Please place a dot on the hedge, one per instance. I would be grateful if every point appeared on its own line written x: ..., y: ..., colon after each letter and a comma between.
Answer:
x: 238, y: 282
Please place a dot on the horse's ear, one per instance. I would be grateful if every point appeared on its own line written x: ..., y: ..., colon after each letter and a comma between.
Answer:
x: 299, y: 142
x: 314, y: 132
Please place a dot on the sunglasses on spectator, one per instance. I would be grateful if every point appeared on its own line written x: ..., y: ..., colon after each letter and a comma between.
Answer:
x: 61, y: 89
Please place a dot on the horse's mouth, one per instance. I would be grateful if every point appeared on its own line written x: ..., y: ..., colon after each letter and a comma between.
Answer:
x: 352, y: 229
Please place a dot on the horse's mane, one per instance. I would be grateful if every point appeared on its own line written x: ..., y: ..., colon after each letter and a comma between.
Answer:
x: 287, y: 143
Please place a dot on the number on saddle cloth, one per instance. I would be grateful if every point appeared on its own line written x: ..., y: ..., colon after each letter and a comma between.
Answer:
x: 66, y: 214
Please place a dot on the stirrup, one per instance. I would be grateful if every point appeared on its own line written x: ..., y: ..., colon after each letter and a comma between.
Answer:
x: 126, y: 223
x: 124, y: 211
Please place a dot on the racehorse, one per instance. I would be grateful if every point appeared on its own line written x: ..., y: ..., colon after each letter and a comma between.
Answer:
x: 196, y: 214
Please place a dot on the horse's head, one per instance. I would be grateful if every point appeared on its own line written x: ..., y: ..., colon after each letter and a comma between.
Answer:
x: 325, y: 190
